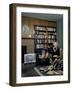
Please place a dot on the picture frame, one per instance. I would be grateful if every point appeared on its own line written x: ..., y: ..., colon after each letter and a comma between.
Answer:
x: 20, y: 12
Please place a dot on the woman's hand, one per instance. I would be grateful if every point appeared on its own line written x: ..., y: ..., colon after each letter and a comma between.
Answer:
x: 41, y: 56
x: 46, y: 56
x: 55, y: 56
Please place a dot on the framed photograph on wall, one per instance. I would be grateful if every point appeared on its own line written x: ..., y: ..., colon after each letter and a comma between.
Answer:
x: 39, y: 44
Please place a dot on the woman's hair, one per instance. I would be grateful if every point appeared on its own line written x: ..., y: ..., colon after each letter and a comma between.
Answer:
x: 44, y: 50
x: 55, y: 44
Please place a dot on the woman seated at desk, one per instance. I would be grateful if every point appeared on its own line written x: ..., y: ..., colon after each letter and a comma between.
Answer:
x: 56, y: 59
x: 43, y: 58
x: 55, y: 51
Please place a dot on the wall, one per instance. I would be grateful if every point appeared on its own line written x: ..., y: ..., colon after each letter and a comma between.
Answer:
x: 4, y: 45
x: 30, y: 22
x: 60, y: 33
x: 29, y: 43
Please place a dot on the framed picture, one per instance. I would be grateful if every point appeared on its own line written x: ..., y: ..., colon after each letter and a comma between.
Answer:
x: 39, y: 44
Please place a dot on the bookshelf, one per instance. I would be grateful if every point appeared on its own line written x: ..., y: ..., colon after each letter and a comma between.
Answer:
x: 44, y: 36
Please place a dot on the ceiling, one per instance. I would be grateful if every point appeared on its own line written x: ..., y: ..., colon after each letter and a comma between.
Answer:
x: 50, y: 17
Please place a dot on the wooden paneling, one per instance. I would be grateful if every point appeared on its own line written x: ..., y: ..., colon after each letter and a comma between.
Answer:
x: 30, y: 22
x: 29, y: 43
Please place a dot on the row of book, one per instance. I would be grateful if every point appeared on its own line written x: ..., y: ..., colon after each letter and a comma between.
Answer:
x: 45, y: 37
x: 41, y: 41
x: 40, y: 36
x: 51, y: 41
x: 44, y: 28
x: 51, y: 29
x: 39, y: 28
x: 41, y: 46
x: 43, y: 33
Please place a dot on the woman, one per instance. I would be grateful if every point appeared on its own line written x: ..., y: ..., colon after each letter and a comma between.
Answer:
x: 55, y: 51
x: 57, y: 61
x: 43, y: 58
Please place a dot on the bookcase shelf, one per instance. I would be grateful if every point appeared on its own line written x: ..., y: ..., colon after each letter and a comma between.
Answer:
x: 44, y: 36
